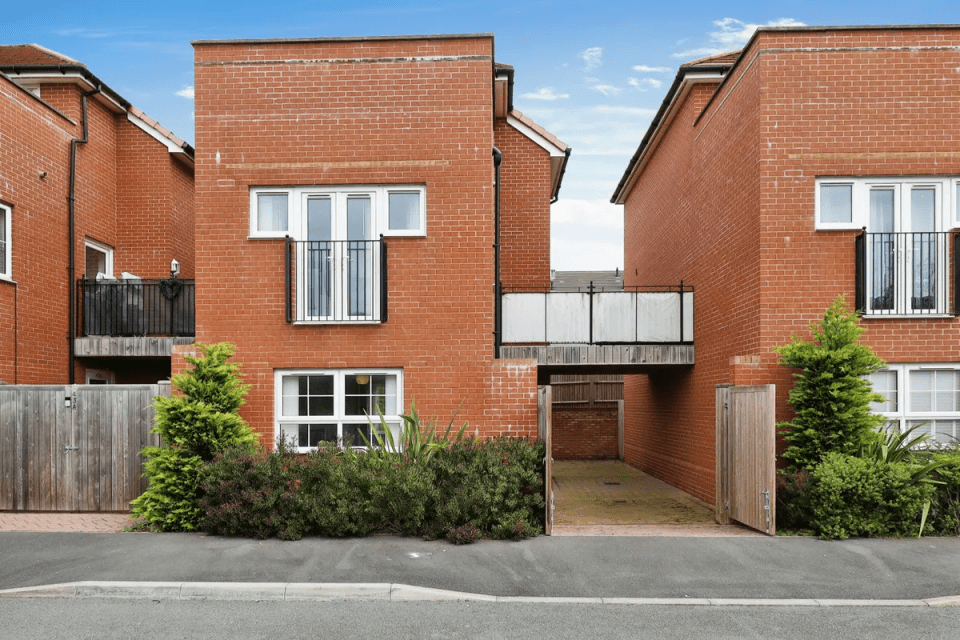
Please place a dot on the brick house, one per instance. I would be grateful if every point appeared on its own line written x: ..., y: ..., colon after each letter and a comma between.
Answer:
x: 357, y: 200
x: 813, y: 163
x: 89, y: 185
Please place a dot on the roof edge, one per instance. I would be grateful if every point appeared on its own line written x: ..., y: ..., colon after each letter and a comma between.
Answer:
x: 438, y: 36
x: 97, y: 83
x: 658, y: 118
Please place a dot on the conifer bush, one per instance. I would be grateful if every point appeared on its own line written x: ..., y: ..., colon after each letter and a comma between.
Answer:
x: 831, y: 397
x: 193, y: 426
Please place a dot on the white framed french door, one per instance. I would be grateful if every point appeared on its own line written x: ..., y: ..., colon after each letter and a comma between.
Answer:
x: 905, y: 254
x: 340, y: 260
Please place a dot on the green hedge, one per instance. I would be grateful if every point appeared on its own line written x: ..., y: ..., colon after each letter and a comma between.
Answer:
x: 852, y: 496
x: 467, y: 490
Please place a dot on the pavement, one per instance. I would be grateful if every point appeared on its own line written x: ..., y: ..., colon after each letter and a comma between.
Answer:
x: 58, y: 562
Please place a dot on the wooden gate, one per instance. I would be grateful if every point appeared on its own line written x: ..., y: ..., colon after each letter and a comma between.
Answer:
x: 746, y: 456
x: 74, y: 447
x: 545, y: 433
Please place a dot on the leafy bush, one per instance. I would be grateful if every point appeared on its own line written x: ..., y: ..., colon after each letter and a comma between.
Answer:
x: 945, y: 504
x: 172, y: 501
x: 830, y: 397
x: 197, y: 423
x: 854, y: 496
x: 463, y: 492
x: 793, y: 500
x: 494, y: 485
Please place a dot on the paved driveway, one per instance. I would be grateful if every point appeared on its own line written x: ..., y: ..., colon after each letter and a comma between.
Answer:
x: 609, y: 497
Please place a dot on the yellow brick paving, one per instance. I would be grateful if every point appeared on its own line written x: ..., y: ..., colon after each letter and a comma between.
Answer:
x: 73, y: 522
x: 608, y: 497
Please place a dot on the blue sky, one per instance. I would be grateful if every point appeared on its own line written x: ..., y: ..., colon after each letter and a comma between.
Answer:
x: 593, y: 73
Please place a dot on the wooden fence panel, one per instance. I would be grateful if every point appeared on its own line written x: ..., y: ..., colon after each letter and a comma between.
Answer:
x: 74, y: 448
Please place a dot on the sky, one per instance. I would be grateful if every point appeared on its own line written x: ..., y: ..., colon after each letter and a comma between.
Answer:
x: 592, y: 73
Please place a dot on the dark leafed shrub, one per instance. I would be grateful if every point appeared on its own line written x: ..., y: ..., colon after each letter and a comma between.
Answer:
x: 465, y: 491
x: 944, y: 516
x: 793, y: 500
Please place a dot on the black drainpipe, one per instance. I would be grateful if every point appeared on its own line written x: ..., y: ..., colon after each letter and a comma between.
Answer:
x: 71, y: 207
x: 497, y: 286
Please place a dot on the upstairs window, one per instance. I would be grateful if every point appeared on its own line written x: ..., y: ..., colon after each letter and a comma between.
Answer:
x: 887, y: 204
x: 394, y: 210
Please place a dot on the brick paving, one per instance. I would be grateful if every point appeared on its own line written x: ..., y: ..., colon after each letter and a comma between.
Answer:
x: 610, y: 498
x: 76, y: 522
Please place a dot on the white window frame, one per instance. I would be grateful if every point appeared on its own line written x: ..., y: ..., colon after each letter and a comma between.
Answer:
x: 906, y: 415
x: 296, y: 214
x: 947, y: 215
x: 6, y: 265
x: 102, y: 248
x: 394, y: 420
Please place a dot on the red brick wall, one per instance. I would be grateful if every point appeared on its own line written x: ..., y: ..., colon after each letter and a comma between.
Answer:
x: 524, y: 210
x: 727, y: 203
x: 154, y: 206
x: 361, y: 112
x: 34, y: 312
x: 582, y: 432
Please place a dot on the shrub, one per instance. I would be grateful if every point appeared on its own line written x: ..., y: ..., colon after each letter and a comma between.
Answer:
x: 854, y: 496
x: 253, y: 495
x: 495, y: 486
x: 463, y: 492
x: 198, y: 423
x: 793, y: 500
x: 830, y: 397
x: 945, y: 505
x: 172, y: 502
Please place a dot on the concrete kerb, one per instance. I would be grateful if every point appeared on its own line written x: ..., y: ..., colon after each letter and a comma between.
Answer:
x: 357, y: 592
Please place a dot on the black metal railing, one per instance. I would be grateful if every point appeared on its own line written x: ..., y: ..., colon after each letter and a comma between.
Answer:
x: 136, y: 307
x: 336, y: 281
x: 904, y: 273
x: 597, y: 316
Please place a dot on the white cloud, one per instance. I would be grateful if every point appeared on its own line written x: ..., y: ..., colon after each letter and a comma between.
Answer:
x: 593, y: 213
x: 628, y: 111
x: 606, y: 89
x: 186, y: 92
x: 734, y: 33
x: 642, y: 68
x: 593, y: 57
x: 644, y: 83
x: 701, y: 52
x: 586, y: 235
x: 545, y: 93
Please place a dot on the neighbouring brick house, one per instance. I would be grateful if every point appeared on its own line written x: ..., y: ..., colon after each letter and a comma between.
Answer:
x: 350, y: 229
x: 83, y: 175
x: 813, y: 163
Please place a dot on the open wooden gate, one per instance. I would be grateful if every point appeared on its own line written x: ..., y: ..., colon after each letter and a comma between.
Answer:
x: 746, y: 456
x: 545, y: 433
x: 74, y: 447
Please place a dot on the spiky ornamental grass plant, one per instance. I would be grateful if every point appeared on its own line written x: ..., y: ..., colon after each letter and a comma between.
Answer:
x: 193, y: 427
x: 831, y: 397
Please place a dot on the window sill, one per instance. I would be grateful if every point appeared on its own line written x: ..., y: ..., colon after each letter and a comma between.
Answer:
x: 909, y: 316
x: 308, y: 323
x: 6, y: 279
